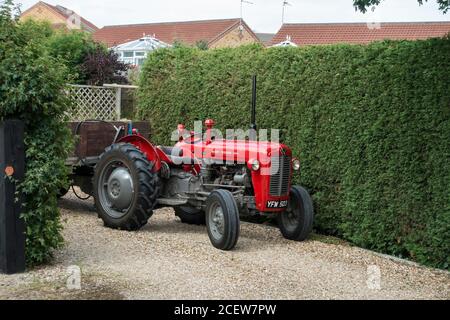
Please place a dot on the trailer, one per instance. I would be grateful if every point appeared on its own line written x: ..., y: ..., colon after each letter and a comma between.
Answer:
x: 92, y: 137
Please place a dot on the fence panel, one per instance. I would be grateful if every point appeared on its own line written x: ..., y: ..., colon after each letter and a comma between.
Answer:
x: 91, y: 102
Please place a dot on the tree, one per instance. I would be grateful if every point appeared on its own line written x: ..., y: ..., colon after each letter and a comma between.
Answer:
x: 9, y: 12
x: 72, y: 47
x: 362, y: 5
x: 103, y: 66
x: 87, y: 61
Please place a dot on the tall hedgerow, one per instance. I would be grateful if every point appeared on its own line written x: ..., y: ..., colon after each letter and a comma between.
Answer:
x: 371, y: 125
x: 31, y: 89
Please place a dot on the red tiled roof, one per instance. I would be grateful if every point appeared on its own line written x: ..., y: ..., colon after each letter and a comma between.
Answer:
x: 189, y: 32
x: 359, y: 33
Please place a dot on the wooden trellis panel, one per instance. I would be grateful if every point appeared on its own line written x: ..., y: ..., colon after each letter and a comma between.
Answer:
x: 91, y: 102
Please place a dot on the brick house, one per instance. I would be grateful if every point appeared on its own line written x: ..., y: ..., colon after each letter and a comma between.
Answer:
x: 215, y: 33
x: 358, y: 33
x: 58, y: 16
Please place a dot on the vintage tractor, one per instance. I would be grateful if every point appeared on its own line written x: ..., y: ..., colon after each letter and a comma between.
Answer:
x: 206, y: 179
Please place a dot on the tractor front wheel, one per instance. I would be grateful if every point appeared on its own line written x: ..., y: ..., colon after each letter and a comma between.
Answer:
x: 125, y: 188
x: 222, y: 219
x: 296, y: 222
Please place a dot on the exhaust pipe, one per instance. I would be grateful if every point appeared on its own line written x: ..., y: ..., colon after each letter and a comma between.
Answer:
x: 253, y: 126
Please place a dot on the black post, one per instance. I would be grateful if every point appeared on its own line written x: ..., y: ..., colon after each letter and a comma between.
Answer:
x: 253, y: 126
x: 12, y: 169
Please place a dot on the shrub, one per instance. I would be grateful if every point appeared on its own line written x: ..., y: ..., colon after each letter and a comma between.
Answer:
x: 371, y: 125
x: 103, y: 66
x: 72, y: 47
x: 31, y: 84
x: 86, y: 61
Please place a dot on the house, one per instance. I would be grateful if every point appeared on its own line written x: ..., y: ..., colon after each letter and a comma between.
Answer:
x: 135, y: 52
x: 304, y: 34
x: 58, y: 16
x: 214, y: 33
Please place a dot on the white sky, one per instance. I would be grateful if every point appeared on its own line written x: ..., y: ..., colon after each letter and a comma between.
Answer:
x: 262, y: 16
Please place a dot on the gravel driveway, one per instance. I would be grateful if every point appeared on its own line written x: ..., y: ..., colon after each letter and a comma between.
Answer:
x: 170, y: 260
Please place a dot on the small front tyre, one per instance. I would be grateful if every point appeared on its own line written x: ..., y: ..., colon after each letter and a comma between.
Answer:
x: 222, y: 220
x: 296, y: 222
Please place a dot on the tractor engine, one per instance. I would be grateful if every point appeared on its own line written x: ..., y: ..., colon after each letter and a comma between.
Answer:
x: 190, y: 187
x: 226, y: 175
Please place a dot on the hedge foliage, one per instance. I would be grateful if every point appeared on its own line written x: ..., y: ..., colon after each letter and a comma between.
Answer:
x: 371, y: 125
x: 31, y: 84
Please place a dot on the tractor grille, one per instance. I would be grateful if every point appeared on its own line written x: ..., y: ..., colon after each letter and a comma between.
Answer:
x: 280, y: 175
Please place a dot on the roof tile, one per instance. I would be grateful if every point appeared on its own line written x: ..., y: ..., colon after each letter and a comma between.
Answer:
x: 189, y: 32
x: 359, y: 33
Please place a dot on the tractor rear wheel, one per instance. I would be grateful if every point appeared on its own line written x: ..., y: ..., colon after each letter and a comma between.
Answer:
x: 190, y: 215
x: 125, y: 188
x: 296, y: 222
x: 222, y: 219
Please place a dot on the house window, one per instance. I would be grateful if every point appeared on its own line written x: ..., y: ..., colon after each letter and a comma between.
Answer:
x: 139, y: 54
x: 128, y: 54
x: 140, y: 61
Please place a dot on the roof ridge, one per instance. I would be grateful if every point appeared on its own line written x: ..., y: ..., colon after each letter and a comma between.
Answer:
x: 170, y: 22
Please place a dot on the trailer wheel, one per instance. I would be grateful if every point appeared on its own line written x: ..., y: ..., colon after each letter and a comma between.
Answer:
x: 190, y: 215
x: 222, y: 220
x: 125, y: 188
x: 296, y: 222
x: 62, y: 192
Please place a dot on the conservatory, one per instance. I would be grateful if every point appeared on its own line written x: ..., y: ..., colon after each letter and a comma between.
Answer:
x: 135, y: 52
x: 286, y: 43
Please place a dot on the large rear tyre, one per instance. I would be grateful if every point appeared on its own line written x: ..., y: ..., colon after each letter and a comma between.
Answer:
x: 125, y: 188
x: 190, y: 215
x: 222, y: 220
x: 296, y: 222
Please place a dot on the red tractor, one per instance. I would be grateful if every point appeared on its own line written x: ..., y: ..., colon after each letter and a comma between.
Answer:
x: 206, y: 180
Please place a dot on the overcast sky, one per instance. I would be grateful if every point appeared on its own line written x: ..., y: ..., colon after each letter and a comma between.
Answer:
x: 262, y: 15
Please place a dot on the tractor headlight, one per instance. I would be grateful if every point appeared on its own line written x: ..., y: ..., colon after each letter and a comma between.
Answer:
x: 296, y: 164
x: 256, y: 165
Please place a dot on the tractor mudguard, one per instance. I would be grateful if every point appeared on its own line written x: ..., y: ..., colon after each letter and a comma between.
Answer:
x: 146, y: 147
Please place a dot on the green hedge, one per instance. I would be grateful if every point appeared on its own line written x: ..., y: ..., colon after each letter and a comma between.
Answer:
x: 31, y: 84
x: 371, y: 125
